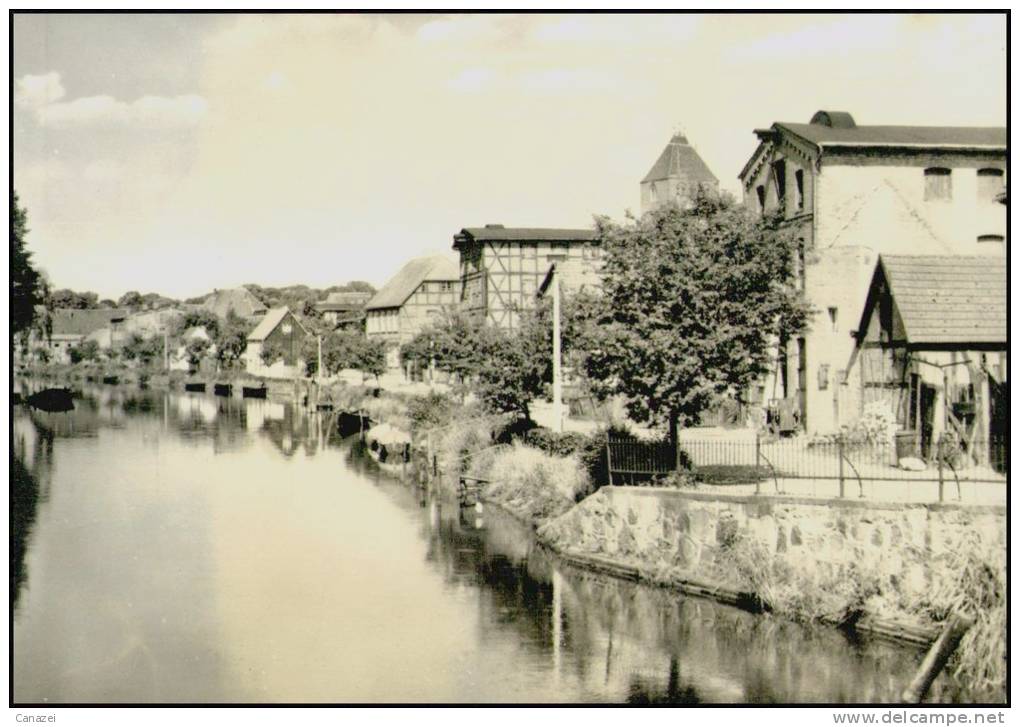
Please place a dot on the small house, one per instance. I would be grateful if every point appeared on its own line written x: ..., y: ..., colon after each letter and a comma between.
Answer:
x: 345, y: 310
x: 72, y: 326
x: 932, y: 343
x: 279, y: 330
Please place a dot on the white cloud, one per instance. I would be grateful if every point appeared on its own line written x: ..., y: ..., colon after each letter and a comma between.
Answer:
x: 836, y: 39
x: 461, y: 29
x: 471, y: 80
x: 103, y: 171
x: 147, y: 111
x: 36, y: 91
x: 560, y: 80
x: 619, y: 29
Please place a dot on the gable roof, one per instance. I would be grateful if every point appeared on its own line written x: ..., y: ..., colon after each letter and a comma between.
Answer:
x: 944, y: 299
x: 679, y: 159
x: 270, y: 321
x: 82, y: 322
x: 499, y: 233
x: 241, y: 300
x: 402, y: 285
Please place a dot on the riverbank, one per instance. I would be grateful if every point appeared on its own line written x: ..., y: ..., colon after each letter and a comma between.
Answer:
x: 895, y: 570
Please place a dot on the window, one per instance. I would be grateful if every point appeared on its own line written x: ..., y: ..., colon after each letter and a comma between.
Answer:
x: 834, y: 318
x: 999, y: 239
x: 989, y: 184
x: 799, y: 177
x: 761, y: 198
x: 653, y: 193
x: 779, y: 174
x: 938, y: 184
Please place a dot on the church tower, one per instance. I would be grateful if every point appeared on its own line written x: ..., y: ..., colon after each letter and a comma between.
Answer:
x: 675, y: 175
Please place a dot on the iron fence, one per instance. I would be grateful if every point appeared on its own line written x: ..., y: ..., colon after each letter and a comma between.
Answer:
x: 851, y: 466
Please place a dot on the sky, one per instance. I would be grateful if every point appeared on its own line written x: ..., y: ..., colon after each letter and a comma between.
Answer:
x: 178, y: 153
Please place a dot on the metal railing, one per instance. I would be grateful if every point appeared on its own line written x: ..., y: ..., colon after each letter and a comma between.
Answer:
x: 858, y: 466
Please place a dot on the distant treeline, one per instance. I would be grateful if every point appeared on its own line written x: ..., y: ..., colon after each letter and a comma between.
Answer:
x: 299, y: 298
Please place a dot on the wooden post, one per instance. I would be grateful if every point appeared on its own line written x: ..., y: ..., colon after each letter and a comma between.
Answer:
x: 936, y: 658
x: 839, y: 449
x: 674, y: 438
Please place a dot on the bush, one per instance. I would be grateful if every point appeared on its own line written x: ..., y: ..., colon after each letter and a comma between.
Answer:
x: 429, y: 411
x: 562, y: 444
x: 532, y: 484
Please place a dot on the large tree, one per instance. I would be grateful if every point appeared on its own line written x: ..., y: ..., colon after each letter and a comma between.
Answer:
x: 694, y: 300
x: 27, y: 286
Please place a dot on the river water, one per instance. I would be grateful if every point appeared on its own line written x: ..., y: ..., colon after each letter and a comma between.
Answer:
x: 174, y: 547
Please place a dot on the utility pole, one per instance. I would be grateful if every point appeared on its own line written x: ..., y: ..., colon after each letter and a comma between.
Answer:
x: 318, y: 368
x: 557, y: 373
x: 166, y: 352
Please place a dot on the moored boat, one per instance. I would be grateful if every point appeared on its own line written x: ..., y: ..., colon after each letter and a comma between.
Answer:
x: 52, y: 400
x: 254, y: 392
x: 222, y: 389
x: 194, y: 386
x: 111, y: 379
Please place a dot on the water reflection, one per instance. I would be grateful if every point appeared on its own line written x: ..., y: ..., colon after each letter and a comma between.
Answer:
x: 184, y: 547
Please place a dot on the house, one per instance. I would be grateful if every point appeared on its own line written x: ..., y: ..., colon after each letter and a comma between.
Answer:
x: 345, y: 310
x: 281, y: 330
x: 72, y: 326
x: 501, y: 267
x: 676, y: 174
x: 241, y: 301
x: 852, y: 192
x: 148, y: 323
x: 932, y: 343
x: 410, y: 300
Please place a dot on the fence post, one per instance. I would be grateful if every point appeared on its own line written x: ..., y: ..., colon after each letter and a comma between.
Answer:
x: 839, y: 445
x: 757, y: 462
x: 938, y: 456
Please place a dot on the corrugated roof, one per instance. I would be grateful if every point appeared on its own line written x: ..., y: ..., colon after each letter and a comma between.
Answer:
x: 78, y: 322
x: 269, y: 323
x: 679, y: 159
x: 498, y: 233
x: 947, y: 298
x: 402, y: 285
x: 931, y: 136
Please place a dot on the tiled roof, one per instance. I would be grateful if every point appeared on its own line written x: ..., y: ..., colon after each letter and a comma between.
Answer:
x: 948, y: 298
x: 679, y: 159
x: 269, y: 322
x: 930, y: 136
x: 498, y: 233
x: 402, y: 285
x: 76, y: 322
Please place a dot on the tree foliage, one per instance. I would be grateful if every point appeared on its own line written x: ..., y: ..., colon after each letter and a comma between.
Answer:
x: 84, y: 351
x: 345, y: 350
x: 198, y: 318
x: 27, y: 286
x: 693, y: 301
x: 231, y: 340
x: 67, y: 298
x: 143, y: 350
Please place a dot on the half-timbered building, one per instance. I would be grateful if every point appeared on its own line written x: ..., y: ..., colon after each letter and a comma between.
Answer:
x: 501, y: 267
x: 412, y: 299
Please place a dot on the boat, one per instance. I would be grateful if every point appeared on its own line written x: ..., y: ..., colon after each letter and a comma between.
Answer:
x: 52, y: 400
x: 194, y: 386
x: 16, y: 398
x: 111, y: 379
x: 254, y: 392
x: 222, y: 389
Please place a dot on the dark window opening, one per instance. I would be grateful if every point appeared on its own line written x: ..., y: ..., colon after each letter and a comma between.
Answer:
x: 990, y: 184
x: 799, y: 177
x: 761, y: 198
x: 938, y: 184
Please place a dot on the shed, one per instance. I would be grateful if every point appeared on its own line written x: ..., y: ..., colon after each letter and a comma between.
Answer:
x: 932, y: 341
